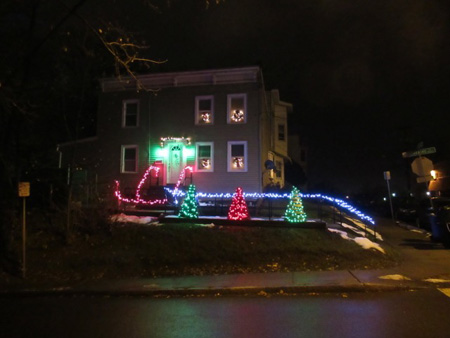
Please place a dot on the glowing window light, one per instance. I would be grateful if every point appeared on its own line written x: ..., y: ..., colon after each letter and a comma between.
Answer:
x: 205, y: 163
x: 238, y: 162
x: 205, y: 117
x: 237, y: 115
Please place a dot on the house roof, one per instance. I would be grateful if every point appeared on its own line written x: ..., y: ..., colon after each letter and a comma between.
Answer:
x: 182, y: 79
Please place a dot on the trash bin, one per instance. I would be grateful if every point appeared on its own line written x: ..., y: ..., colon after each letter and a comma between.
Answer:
x: 440, y: 224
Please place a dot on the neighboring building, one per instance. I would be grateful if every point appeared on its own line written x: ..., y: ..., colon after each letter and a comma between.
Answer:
x: 221, y: 122
x: 440, y: 185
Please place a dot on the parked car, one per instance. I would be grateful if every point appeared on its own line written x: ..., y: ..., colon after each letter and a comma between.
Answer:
x: 415, y: 213
x: 440, y: 220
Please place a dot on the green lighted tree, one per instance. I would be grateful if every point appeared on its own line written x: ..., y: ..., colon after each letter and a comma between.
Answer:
x: 189, y: 207
x: 294, y: 211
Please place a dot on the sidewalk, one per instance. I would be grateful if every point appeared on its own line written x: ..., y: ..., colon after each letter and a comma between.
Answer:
x: 424, y: 264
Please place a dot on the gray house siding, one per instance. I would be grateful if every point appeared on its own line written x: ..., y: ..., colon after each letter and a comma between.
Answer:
x: 171, y: 113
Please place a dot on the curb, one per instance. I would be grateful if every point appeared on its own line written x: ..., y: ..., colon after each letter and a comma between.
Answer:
x: 247, y: 291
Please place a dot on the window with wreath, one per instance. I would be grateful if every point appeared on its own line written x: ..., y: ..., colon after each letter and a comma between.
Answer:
x: 237, y: 108
x: 205, y: 158
x: 204, y: 110
x: 129, y: 159
x: 130, y: 113
x: 237, y: 156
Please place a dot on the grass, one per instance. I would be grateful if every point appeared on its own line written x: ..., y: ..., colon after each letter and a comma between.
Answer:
x: 129, y: 251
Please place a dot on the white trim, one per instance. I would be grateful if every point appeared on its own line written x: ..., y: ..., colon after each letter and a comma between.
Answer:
x: 124, y: 112
x: 122, y: 159
x: 229, y: 157
x: 198, y: 112
x: 230, y: 97
x: 197, y: 145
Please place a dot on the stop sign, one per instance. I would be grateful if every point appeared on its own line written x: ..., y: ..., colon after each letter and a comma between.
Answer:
x: 422, y: 166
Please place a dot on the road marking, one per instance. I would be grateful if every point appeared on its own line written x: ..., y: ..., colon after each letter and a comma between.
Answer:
x: 445, y: 291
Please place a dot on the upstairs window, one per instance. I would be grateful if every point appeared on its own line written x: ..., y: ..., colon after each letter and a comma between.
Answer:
x: 129, y: 160
x: 237, y: 156
x: 130, y: 113
x: 237, y: 108
x: 281, y: 132
x: 205, y: 158
x: 204, y: 110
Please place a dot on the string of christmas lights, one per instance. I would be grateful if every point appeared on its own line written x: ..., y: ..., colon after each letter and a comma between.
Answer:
x: 144, y: 178
x: 178, y: 193
x: 135, y: 200
x: 272, y: 195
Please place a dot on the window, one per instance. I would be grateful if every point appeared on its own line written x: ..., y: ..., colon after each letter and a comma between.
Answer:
x: 281, y: 132
x: 279, y: 166
x: 204, y: 110
x: 237, y: 156
x: 130, y: 113
x: 205, y: 158
x: 237, y: 108
x: 129, y: 159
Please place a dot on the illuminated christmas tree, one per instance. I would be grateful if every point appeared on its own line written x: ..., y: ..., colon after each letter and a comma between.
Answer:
x: 294, y: 211
x: 238, y: 209
x: 189, y: 207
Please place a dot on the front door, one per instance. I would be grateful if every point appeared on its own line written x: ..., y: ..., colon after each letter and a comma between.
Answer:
x: 175, y: 164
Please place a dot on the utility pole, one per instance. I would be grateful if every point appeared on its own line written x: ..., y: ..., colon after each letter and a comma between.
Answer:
x: 387, y: 177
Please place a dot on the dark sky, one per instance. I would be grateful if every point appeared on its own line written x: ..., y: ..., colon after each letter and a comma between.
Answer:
x: 368, y: 79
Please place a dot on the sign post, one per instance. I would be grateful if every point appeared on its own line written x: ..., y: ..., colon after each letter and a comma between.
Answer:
x: 387, y: 177
x: 24, y: 192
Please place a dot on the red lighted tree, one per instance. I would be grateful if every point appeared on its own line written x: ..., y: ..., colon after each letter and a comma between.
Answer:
x: 238, y: 209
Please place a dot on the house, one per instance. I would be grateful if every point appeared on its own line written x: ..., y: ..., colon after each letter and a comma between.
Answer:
x: 218, y: 129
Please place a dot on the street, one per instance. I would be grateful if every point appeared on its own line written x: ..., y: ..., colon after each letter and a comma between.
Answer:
x: 422, y: 313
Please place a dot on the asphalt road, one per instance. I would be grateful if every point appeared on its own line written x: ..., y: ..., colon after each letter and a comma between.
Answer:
x: 422, y: 313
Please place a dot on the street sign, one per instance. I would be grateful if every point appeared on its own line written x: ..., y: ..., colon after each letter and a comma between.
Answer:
x: 387, y: 175
x: 423, y: 179
x: 420, y: 152
x: 422, y: 166
x: 24, y: 189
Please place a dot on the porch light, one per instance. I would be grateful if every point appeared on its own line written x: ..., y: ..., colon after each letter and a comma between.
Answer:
x: 433, y: 173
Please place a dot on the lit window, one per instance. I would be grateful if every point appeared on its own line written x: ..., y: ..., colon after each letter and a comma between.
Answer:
x: 204, y: 110
x: 281, y: 132
x: 205, y: 158
x: 130, y: 113
x: 129, y: 162
x: 237, y: 108
x: 237, y: 156
x: 279, y: 166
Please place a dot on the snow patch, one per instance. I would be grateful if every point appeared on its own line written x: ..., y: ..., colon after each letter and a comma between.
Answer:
x: 436, y: 280
x: 394, y: 277
x: 365, y: 243
x: 368, y: 244
x: 122, y: 218
x: 368, y: 229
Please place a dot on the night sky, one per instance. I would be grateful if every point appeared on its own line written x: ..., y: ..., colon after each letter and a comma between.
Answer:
x: 367, y: 79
